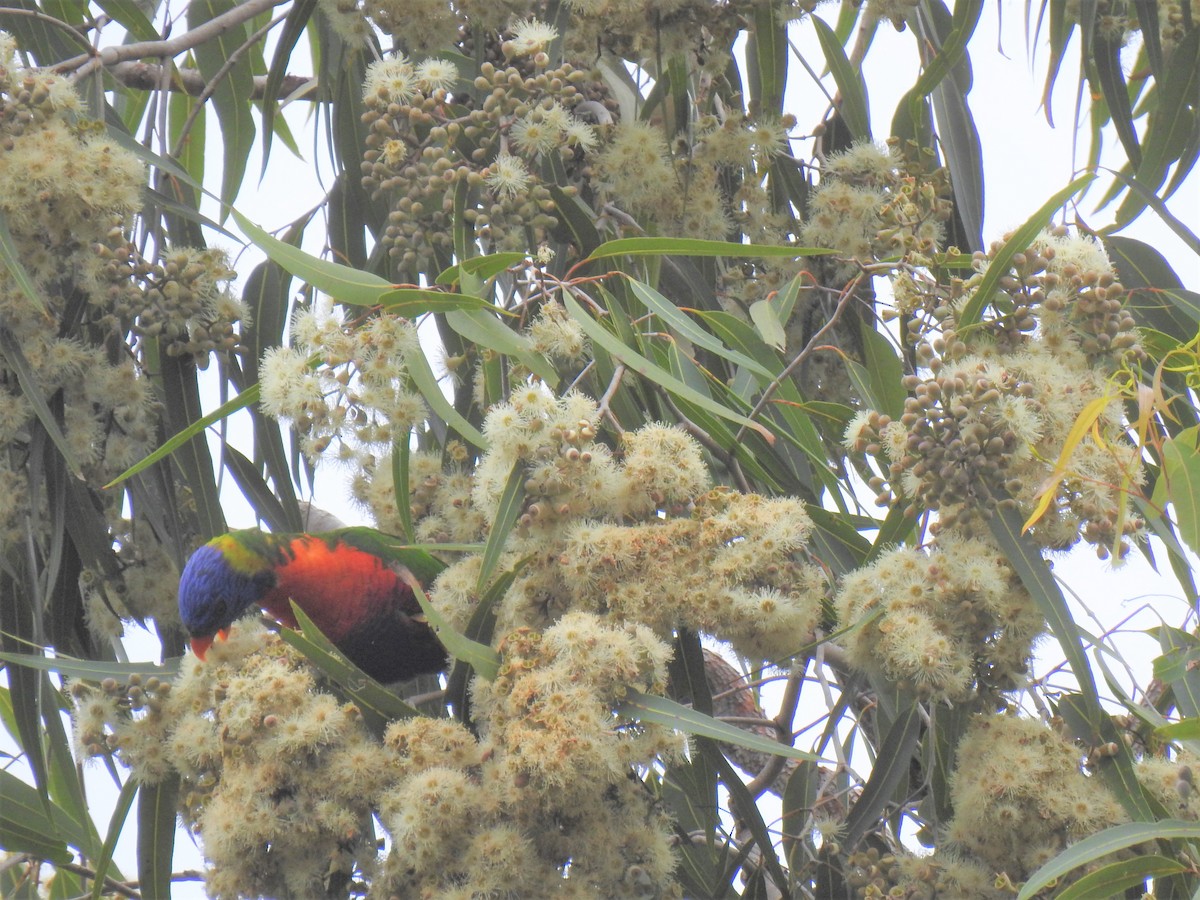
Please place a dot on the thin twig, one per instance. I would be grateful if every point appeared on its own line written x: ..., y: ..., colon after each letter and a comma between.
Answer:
x: 110, y: 884
x: 782, y: 723
x: 609, y: 393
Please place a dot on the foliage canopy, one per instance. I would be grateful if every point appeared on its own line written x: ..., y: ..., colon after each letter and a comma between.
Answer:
x: 618, y: 357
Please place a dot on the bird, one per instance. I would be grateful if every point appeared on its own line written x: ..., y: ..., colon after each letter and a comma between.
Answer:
x: 350, y: 582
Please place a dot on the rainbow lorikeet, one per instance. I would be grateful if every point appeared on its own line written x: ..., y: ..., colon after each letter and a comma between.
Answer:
x: 351, y: 582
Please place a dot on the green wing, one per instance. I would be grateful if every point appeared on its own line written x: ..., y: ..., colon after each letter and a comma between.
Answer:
x: 424, y: 566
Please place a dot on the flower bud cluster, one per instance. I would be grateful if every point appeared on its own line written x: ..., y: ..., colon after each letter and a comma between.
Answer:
x: 874, y: 203
x: 278, y: 778
x: 425, y: 147
x: 992, y: 406
x: 549, y: 781
x: 344, y: 383
x: 182, y: 300
x: 946, y: 624
x: 963, y: 432
x: 126, y: 720
x: 67, y: 195
x: 1020, y: 797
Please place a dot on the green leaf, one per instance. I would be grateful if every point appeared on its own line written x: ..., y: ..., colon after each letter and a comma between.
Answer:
x: 427, y: 383
x: 14, y: 358
x: 849, y: 80
x: 242, y: 400
x: 512, y: 500
x: 231, y: 96
x: 92, y: 670
x: 1171, y: 125
x: 482, y: 658
x: 1119, y: 771
x: 484, y: 267
x: 661, y: 711
x: 1018, y: 243
x: 285, y: 41
x: 767, y: 61
x: 413, y: 302
x: 340, y: 282
x: 157, y: 805
x: 1025, y: 559
x: 116, y: 824
x: 644, y: 367
x: 893, y: 762
x: 1115, y: 878
x: 1181, y: 467
x: 685, y: 327
x: 401, y: 455
x: 666, y: 246
x: 480, y: 628
x: 1110, y: 74
x: 1178, y: 666
x: 1103, y: 843
x: 11, y: 261
x: 129, y: 15
x: 377, y: 704
x: 483, y: 328
x: 29, y: 825
x: 1183, y: 730
x: 766, y: 319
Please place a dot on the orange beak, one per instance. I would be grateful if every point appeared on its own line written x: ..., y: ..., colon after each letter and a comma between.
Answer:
x: 200, y: 645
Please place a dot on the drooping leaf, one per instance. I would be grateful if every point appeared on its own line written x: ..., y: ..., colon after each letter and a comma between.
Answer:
x: 1018, y: 243
x: 220, y: 59
x: 852, y: 90
x: 1101, y: 844
x: 157, y: 805
x: 1181, y: 467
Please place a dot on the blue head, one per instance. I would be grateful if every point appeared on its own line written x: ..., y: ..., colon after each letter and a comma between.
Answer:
x: 220, y: 583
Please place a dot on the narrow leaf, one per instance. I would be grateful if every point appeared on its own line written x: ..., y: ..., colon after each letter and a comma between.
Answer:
x: 1025, y: 559
x: 116, y: 824
x: 1018, y: 243
x: 427, y: 383
x: 1181, y: 466
x: 14, y: 358
x: 512, y: 500
x: 1115, y: 878
x: 242, y: 400
x: 10, y: 258
x: 339, y: 282
x: 661, y: 711
x: 685, y: 327
x: 849, y: 80
x: 480, y: 657
x: 644, y: 367
x: 156, y: 836
x: 666, y: 246
x: 1103, y: 843
x: 892, y: 765
x: 377, y: 704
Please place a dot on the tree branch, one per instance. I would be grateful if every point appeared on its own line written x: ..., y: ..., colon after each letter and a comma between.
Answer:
x: 172, y: 47
x: 143, y: 76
